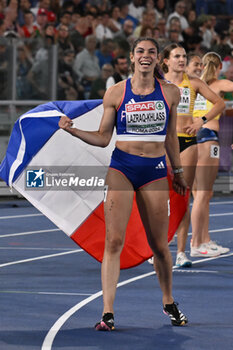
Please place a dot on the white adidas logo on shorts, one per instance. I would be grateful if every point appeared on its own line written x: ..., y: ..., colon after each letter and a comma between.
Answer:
x: 160, y: 165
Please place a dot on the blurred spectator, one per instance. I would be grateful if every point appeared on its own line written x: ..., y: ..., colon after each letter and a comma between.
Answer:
x: 105, y: 52
x: 174, y: 36
x: 4, y: 69
x: 41, y: 20
x: 77, y: 34
x: 67, y: 6
x: 63, y: 39
x: 86, y: 64
x: 150, y: 6
x: 221, y: 46
x: 194, y: 45
x: 148, y: 20
x: 46, y: 41
x: 175, y: 25
x: 10, y: 19
x: 126, y: 32
x: 102, y: 30
x: 230, y: 24
x: 146, y: 31
x: 162, y: 27
x: 24, y: 64
x: 121, y: 67
x: 67, y: 78
x: 121, y: 48
x: 2, y: 9
x: 98, y: 86
x: 55, y: 7
x: 78, y: 6
x: 136, y: 9
x: 160, y: 9
x: 124, y: 14
x: 230, y: 40
x: 29, y: 29
x: 101, y: 5
x: 2, y: 27
x: 90, y: 24
x: 114, y: 24
x: 206, y: 31
x: 65, y: 18
x: 192, y: 18
x: 39, y: 74
x: 180, y: 8
x: 24, y: 5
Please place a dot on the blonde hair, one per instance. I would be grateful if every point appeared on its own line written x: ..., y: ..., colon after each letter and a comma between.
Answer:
x: 211, y: 62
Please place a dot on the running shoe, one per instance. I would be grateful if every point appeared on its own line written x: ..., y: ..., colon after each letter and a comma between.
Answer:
x: 176, y: 316
x: 106, y: 323
x: 217, y: 248
x: 203, y: 251
x: 182, y: 260
x: 151, y: 261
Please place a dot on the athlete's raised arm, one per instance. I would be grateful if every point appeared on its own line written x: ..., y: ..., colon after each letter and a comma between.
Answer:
x: 102, y: 136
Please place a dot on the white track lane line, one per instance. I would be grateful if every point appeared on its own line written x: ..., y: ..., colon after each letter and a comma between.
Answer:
x: 224, y: 202
x: 35, y: 248
x: 48, y: 341
x: 40, y: 293
x: 57, y: 229
x: 29, y: 232
x: 19, y: 216
x: 221, y: 214
x: 40, y: 258
x: 217, y: 230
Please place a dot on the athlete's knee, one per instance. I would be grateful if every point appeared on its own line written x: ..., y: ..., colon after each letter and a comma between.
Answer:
x: 204, y: 196
x: 114, y: 244
x: 162, y: 252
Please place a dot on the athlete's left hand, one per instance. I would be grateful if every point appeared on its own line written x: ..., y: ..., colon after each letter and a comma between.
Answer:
x: 179, y: 184
x: 193, y: 128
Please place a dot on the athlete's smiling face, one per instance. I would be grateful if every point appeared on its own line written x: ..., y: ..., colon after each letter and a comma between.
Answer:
x: 145, y: 56
x: 177, y: 60
x: 195, y: 67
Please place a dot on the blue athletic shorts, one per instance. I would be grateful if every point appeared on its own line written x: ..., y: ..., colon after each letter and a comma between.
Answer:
x: 140, y: 171
x: 205, y: 134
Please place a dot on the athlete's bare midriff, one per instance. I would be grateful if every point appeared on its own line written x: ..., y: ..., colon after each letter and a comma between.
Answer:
x: 183, y: 121
x: 142, y: 148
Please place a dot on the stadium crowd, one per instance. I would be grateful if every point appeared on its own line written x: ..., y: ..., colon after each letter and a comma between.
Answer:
x: 93, y: 39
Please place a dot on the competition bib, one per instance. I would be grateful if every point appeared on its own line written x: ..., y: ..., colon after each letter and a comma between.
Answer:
x: 145, y: 117
x: 200, y: 103
x: 184, y: 105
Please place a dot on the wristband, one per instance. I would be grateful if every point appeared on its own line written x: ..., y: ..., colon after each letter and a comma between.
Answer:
x: 178, y: 171
x: 205, y: 120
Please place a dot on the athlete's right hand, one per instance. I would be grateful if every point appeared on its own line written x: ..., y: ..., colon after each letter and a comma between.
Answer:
x: 65, y: 123
x: 179, y: 184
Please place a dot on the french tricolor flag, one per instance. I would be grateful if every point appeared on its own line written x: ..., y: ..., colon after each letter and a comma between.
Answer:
x: 38, y: 143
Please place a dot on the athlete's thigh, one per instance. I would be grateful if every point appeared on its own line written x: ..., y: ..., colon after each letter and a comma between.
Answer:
x: 118, y: 202
x: 207, y: 165
x: 189, y: 161
x: 153, y: 205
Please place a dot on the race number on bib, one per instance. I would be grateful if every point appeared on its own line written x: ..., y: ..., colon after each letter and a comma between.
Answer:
x: 145, y: 117
x: 214, y: 151
x: 184, y: 104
